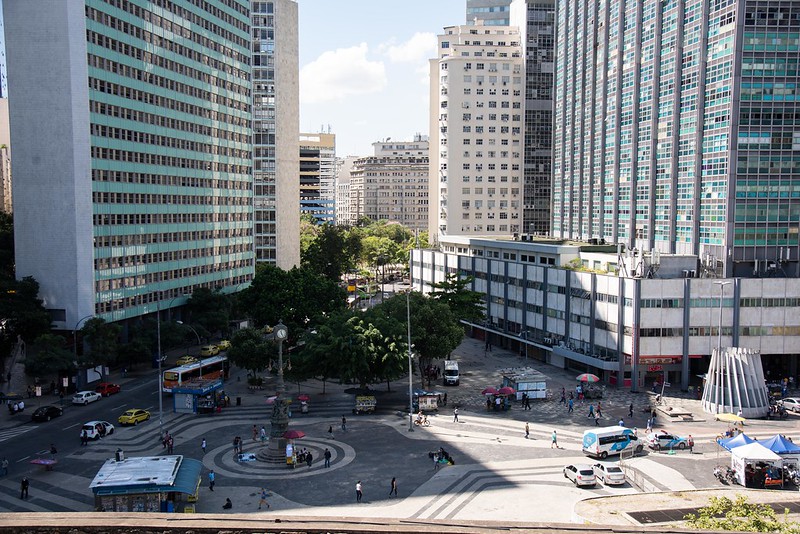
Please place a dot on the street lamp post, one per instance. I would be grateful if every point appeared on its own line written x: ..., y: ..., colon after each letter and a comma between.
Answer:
x: 721, y: 285
x: 199, y: 343
x: 410, y: 373
x: 159, y: 358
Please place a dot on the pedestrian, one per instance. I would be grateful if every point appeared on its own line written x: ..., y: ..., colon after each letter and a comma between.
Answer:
x: 554, y: 440
x: 330, y: 431
x: 359, y: 494
x: 309, y: 459
x: 263, y: 499
x: 235, y: 446
x: 599, y: 410
x: 527, y: 402
x: 649, y: 426
x: 84, y: 438
x: 170, y: 444
x: 228, y: 504
x: 393, y: 487
x: 591, y: 411
x: 455, y: 414
x: 653, y: 415
x: 263, y: 434
x: 570, y: 405
x: 563, y: 396
x: 203, y: 445
x: 630, y: 410
x: 255, y: 433
x: 524, y: 398
x: 344, y: 424
x: 53, y: 451
x: 527, y: 430
x: 597, y: 419
x: 327, y: 456
x: 4, y: 466
x: 211, y: 480
x: 621, y: 422
x: 435, y: 456
x: 690, y: 442
x: 23, y: 488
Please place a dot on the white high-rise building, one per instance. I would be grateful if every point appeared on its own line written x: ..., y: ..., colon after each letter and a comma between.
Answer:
x: 477, y: 99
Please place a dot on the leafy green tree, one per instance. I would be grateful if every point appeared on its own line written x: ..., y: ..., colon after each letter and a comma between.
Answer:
x: 49, y: 354
x: 466, y: 305
x: 331, y: 252
x: 250, y: 350
x: 210, y: 311
x: 723, y: 513
x: 435, y: 332
x: 23, y: 310
x: 324, y: 352
x: 102, y: 339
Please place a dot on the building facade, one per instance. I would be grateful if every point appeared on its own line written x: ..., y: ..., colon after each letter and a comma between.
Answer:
x: 675, y: 130
x: 348, y: 192
x: 317, y: 175
x: 5, y: 155
x: 488, y: 12
x: 630, y: 331
x: 476, y: 125
x: 392, y: 185
x: 131, y: 132
x: 276, y: 130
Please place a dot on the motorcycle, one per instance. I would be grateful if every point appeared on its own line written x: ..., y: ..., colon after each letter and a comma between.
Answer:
x: 719, y: 474
x: 730, y: 475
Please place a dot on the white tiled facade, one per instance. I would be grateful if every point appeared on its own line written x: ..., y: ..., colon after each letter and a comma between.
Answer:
x: 629, y: 331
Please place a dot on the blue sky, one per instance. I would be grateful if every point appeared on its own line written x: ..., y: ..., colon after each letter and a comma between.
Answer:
x: 364, y: 67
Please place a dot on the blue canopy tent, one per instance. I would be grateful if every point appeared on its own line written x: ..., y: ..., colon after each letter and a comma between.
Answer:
x: 780, y: 445
x: 735, y: 441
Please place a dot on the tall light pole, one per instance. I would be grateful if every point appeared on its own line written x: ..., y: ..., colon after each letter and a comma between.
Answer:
x: 721, y: 285
x: 199, y: 343
x: 410, y: 372
x: 158, y: 378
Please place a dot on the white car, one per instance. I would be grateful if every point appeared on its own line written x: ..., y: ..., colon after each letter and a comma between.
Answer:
x: 609, y: 474
x: 792, y: 404
x: 580, y: 474
x: 97, y: 429
x: 85, y: 397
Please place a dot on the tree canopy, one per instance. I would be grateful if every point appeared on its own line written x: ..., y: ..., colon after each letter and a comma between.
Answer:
x: 466, y: 305
x: 723, y: 513
x: 210, y: 311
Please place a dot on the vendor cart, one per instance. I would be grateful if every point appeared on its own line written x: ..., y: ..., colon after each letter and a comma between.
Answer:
x: 364, y: 404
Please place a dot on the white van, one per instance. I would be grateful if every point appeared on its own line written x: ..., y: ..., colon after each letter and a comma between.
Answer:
x: 602, y: 442
x: 451, y: 376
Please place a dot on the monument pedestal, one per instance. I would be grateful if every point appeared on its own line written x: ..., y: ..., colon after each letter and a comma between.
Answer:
x: 275, y: 451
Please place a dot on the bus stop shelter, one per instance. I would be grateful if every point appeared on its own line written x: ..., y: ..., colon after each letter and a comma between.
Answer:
x: 197, y: 395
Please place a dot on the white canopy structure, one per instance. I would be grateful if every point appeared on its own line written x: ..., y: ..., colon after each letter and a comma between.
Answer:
x: 734, y: 382
x: 755, y: 452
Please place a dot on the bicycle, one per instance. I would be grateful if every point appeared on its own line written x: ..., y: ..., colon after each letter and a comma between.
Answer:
x: 422, y: 422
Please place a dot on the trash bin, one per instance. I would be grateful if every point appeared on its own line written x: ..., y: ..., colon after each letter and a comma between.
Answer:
x: 238, y: 401
x: 119, y: 455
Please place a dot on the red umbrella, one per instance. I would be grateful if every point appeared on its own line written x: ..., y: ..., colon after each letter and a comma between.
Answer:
x: 489, y: 391
x: 587, y: 377
x: 303, y: 397
x: 294, y: 434
x: 506, y: 391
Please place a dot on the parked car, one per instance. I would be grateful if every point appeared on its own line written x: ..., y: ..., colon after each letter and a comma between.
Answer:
x: 224, y: 344
x: 107, y: 388
x: 580, y: 474
x: 85, y: 397
x: 792, y: 404
x: 663, y: 440
x: 97, y: 429
x: 209, y: 350
x: 45, y: 413
x: 609, y: 474
x: 185, y: 360
x: 133, y: 417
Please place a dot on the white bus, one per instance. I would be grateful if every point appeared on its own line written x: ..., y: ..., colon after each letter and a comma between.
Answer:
x: 601, y: 442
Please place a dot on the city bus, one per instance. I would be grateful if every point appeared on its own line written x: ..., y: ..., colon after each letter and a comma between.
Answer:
x: 214, y: 367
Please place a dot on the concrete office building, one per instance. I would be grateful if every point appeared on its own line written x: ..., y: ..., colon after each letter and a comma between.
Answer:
x: 676, y: 130
x: 536, y: 22
x: 5, y: 158
x: 317, y: 174
x: 347, y: 197
x: 488, y: 12
x: 276, y: 130
x: 392, y: 185
x: 477, y: 97
x: 130, y: 127
x: 585, y: 308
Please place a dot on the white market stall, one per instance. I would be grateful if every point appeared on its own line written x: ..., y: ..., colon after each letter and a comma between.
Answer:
x: 527, y: 381
x: 756, y: 466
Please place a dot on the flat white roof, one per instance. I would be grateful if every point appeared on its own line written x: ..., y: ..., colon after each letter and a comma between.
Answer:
x: 141, y: 471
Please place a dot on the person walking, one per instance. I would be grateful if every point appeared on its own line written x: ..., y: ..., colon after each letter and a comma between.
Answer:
x: 599, y: 410
x: 563, y: 396
x: 630, y: 410
x: 255, y: 433
x: 263, y: 434
x: 597, y: 419
x: 527, y: 430
x: 170, y: 444
x: 4, y: 466
x: 570, y: 406
x: 203, y: 445
x: 554, y: 440
x: 263, y: 499
x: 84, y: 438
x: 309, y: 459
x: 53, y: 451
x: 327, y: 456
x: 591, y: 411
x: 344, y: 424
x: 23, y: 488
x: 690, y: 442
x: 455, y: 414
x: 359, y: 493
x: 211, y: 480
x: 393, y: 487
x: 649, y: 426
x: 330, y: 431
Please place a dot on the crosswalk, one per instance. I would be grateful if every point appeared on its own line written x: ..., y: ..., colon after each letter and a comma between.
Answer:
x: 9, y: 433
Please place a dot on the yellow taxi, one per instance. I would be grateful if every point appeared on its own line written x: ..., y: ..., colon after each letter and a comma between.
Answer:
x: 184, y: 360
x: 224, y: 344
x: 133, y: 417
x: 209, y: 350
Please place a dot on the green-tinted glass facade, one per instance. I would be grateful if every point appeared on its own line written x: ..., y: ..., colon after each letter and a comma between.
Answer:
x: 170, y: 98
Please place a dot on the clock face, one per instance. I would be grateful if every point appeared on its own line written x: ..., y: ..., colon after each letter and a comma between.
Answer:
x: 280, y: 333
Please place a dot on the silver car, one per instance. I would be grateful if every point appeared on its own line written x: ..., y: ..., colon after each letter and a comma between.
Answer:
x: 792, y: 404
x: 580, y: 474
x: 85, y: 397
x: 609, y: 474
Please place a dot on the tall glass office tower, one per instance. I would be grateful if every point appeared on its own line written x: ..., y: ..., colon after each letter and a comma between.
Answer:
x: 130, y: 123
x: 676, y: 129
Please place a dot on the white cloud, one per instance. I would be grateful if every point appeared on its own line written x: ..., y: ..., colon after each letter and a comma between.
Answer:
x: 420, y: 47
x: 340, y: 73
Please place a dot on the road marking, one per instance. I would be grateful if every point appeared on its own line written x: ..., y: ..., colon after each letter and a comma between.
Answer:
x: 72, y: 426
x: 23, y: 459
x: 120, y: 406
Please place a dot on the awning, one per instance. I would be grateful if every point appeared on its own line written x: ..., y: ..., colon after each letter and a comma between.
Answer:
x: 734, y: 442
x: 756, y: 452
x: 780, y: 445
